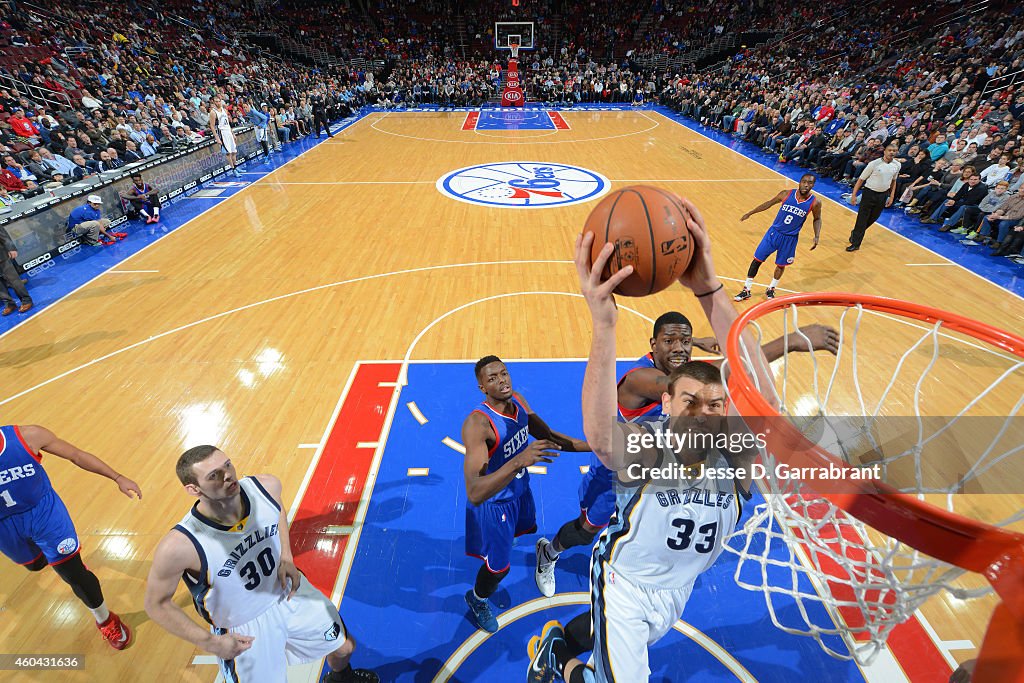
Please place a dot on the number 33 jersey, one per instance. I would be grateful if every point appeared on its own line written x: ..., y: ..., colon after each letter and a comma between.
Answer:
x: 664, y: 534
x: 237, y: 580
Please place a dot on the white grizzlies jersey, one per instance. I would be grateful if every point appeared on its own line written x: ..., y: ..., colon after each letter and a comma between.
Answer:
x: 237, y: 580
x: 664, y: 536
x: 222, y: 118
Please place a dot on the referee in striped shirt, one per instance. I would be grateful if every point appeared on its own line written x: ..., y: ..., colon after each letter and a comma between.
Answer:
x: 878, y: 180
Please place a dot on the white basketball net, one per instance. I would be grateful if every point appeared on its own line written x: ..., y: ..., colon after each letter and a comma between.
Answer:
x: 851, y: 585
x: 514, y: 49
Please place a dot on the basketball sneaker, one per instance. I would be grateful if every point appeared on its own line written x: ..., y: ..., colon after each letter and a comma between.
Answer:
x: 769, y: 293
x: 743, y: 295
x: 482, y: 615
x: 115, y: 632
x: 543, y: 664
x: 545, y: 571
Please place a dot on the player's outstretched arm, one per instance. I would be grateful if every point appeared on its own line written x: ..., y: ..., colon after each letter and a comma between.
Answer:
x: 287, y: 573
x: 41, y: 439
x: 174, y: 555
x: 481, y: 486
x: 777, y: 199
x: 702, y: 280
x: 809, y: 338
x: 600, y: 402
x: 539, y: 429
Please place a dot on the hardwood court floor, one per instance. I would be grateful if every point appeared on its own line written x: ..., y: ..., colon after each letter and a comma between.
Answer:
x: 260, y: 307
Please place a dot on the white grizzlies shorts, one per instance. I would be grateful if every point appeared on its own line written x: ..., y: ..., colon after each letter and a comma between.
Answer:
x: 261, y: 134
x: 303, y: 629
x: 627, y: 619
x: 227, y: 142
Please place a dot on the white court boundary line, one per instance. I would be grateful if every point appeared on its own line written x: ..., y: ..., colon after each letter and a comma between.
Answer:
x: 256, y: 304
x: 345, y: 129
x: 363, y: 278
x: 838, y: 203
x: 525, y: 609
x: 611, y: 180
x: 513, y: 141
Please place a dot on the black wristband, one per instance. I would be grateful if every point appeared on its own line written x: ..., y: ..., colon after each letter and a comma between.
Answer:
x: 720, y: 286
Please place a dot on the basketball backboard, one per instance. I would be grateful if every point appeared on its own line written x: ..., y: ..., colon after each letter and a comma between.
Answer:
x: 512, y: 30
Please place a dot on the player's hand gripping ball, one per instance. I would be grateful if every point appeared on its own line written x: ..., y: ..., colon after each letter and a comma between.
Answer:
x: 647, y: 225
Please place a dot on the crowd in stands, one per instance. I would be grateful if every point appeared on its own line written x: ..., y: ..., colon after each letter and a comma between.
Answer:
x: 126, y: 85
x: 834, y: 100
x: 132, y: 80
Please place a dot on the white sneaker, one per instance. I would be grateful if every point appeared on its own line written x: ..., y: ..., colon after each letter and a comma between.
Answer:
x: 545, y: 572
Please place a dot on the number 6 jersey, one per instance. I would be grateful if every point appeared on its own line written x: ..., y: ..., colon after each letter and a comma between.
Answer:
x: 237, y: 580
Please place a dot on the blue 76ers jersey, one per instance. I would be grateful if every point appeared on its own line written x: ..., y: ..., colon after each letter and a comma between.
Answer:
x: 651, y: 411
x: 792, y: 214
x: 512, y: 436
x: 23, y: 481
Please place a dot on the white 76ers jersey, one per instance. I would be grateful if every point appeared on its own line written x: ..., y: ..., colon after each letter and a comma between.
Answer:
x: 237, y: 580
x: 665, y: 536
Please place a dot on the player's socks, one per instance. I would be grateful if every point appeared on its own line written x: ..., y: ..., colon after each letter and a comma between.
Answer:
x: 748, y: 283
x: 101, y: 613
x: 774, y: 284
x: 350, y: 675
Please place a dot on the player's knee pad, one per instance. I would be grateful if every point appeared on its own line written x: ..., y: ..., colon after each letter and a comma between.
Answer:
x: 579, y: 634
x: 37, y: 565
x: 573, y: 534
x: 487, y: 581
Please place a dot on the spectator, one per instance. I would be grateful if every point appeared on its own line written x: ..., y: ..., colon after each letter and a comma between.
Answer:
x: 973, y: 215
x: 10, y: 278
x: 81, y: 169
x: 997, y: 172
x: 23, y: 128
x: 56, y: 164
x: 131, y: 152
x: 995, y: 228
x: 88, y: 224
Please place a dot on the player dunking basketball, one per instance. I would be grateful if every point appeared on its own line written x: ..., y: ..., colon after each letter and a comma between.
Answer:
x: 499, y: 503
x: 35, y: 528
x: 639, y: 395
x: 644, y: 567
x: 783, y: 235
x: 232, y: 550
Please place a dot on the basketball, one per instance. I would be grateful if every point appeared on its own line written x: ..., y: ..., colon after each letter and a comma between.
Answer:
x: 647, y: 225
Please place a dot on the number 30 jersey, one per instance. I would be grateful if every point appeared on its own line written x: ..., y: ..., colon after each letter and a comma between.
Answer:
x: 665, y: 535
x: 237, y: 580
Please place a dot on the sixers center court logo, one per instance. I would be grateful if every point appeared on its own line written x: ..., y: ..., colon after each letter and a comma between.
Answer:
x: 523, y: 185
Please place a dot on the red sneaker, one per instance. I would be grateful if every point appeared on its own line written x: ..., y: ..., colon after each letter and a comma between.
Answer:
x: 119, y: 235
x: 115, y: 632
x: 106, y: 242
